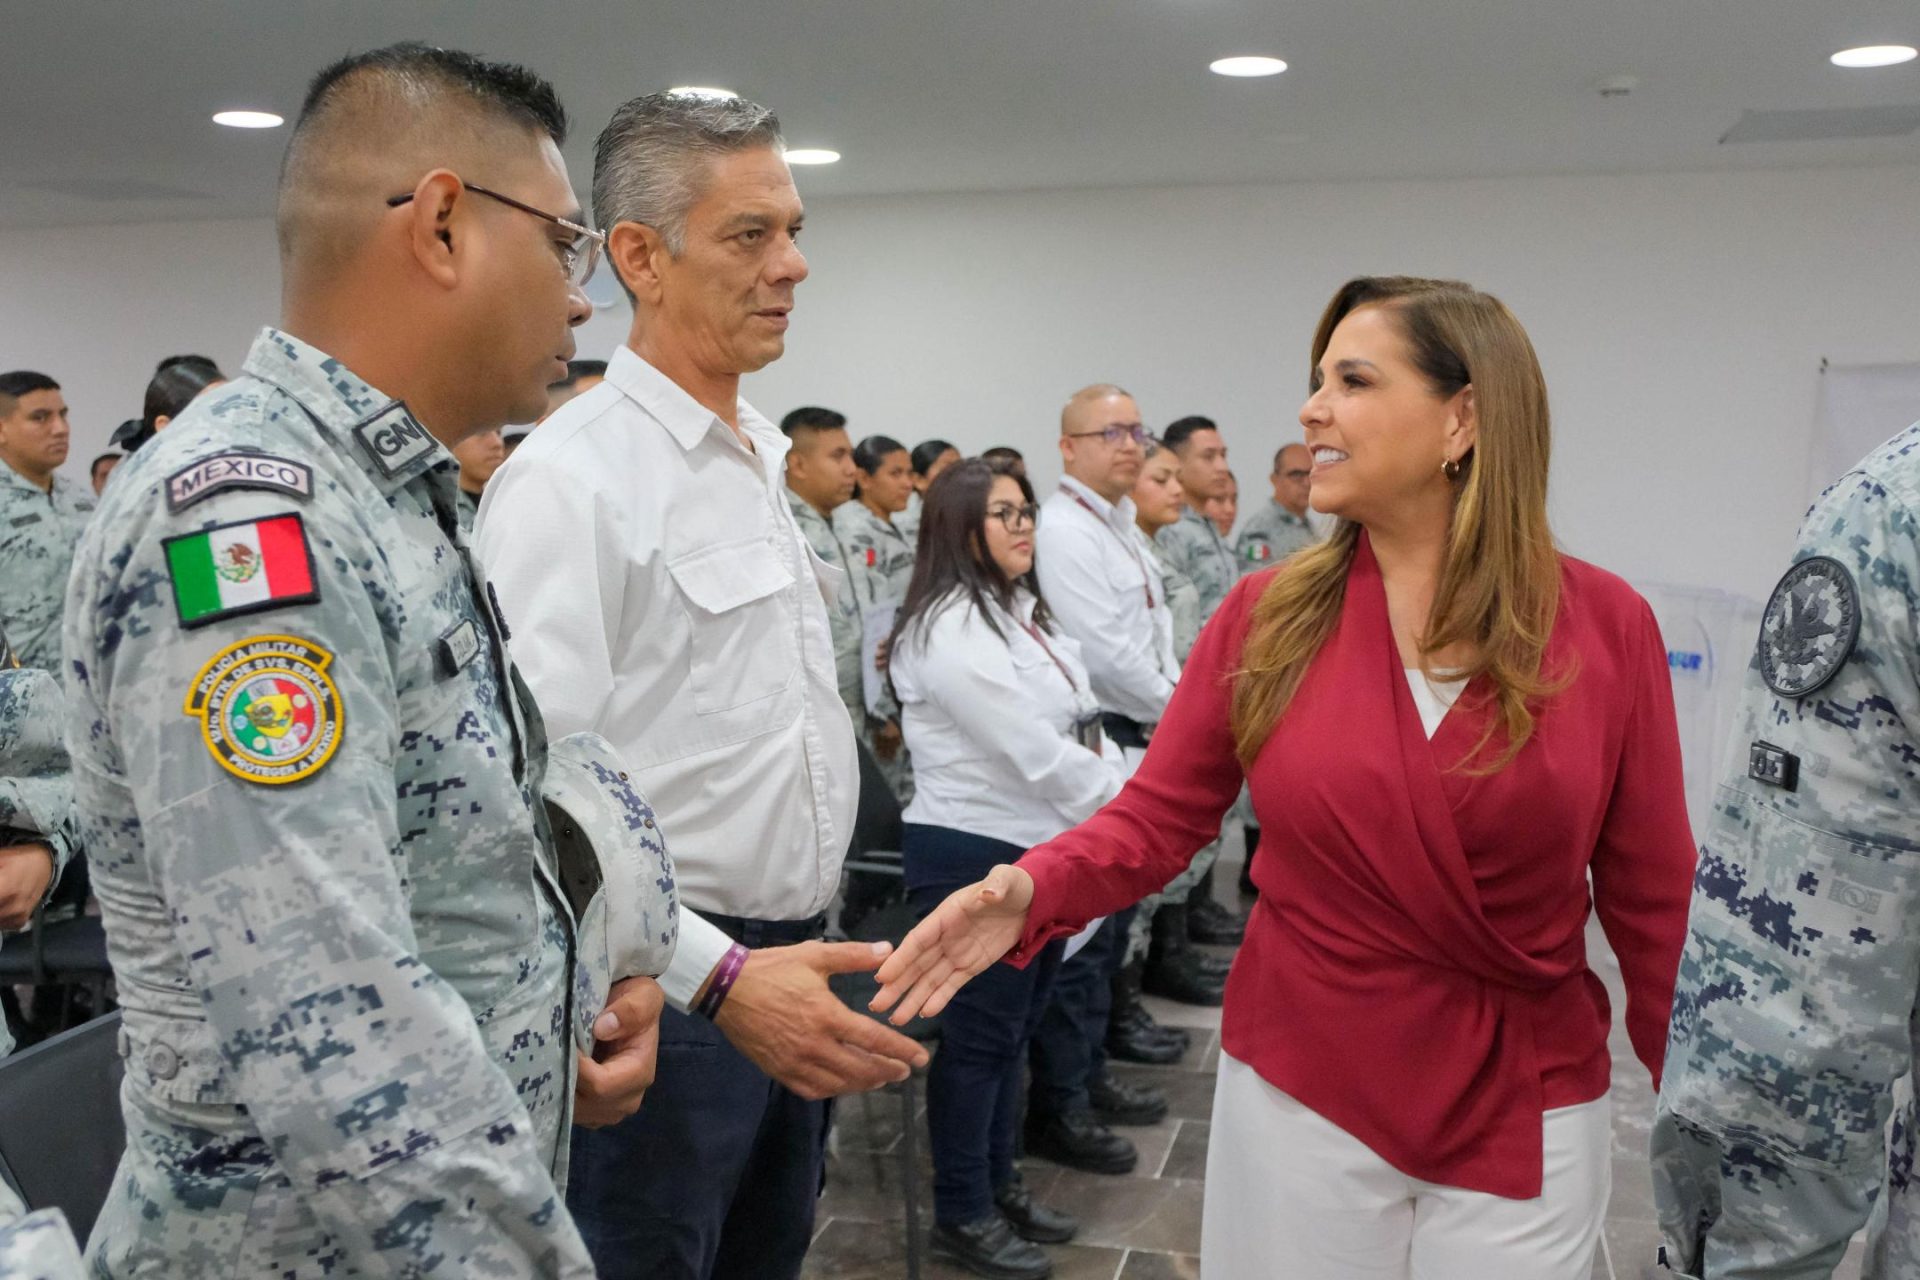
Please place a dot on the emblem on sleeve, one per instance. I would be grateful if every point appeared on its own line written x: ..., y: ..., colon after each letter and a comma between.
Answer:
x: 1810, y: 627
x: 238, y: 471
x: 268, y: 710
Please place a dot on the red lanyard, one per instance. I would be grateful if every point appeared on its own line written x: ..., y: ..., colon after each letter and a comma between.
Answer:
x: 1146, y: 581
x: 1040, y: 640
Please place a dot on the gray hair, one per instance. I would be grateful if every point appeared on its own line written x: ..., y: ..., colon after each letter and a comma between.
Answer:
x: 648, y: 161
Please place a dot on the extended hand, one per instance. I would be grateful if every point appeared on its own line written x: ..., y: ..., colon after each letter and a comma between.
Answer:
x: 614, y: 1080
x: 974, y: 927
x: 25, y: 872
x: 782, y: 1015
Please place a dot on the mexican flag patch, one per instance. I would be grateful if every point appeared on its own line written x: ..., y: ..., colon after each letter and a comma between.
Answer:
x: 239, y: 568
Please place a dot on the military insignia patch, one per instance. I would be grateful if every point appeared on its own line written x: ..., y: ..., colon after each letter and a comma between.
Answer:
x: 242, y: 567
x: 1810, y: 627
x: 237, y: 471
x: 393, y: 439
x: 268, y: 710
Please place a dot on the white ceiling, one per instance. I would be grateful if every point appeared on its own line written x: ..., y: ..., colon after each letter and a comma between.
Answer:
x: 104, y: 107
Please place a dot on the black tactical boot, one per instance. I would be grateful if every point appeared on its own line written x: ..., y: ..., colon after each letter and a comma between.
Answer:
x: 1174, y: 969
x: 989, y: 1247
x: 1132, y: 1034
x: 1032, y: 1220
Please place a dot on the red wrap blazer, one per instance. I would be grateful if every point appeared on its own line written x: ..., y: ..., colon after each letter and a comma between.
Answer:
x: 1415, y: 970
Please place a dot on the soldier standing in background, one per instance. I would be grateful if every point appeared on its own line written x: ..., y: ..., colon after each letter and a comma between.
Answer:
x: 880, y: 559
x: 41, y: 516
x: 1795, y: 1011
x: 1280, y: 528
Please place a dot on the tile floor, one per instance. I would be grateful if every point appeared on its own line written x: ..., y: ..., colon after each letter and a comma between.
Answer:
x: 1146, y: 1226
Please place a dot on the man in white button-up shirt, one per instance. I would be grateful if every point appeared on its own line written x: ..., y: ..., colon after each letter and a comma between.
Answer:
x: 660, y: 592
x: 1098, y: 576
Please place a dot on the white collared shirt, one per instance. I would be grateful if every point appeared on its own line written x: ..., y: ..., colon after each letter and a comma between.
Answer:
x: 1102, y: 585
x: 660, y: 592
x: 991, y: 720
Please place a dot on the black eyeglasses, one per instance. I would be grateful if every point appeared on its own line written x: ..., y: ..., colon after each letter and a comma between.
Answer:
x: 578, y: 257
x: 1116, y: 433
x: 1012, y: 517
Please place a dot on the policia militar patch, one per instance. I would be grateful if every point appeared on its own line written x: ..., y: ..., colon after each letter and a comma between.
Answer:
x: 268, y: 711
x: 1810, y: 627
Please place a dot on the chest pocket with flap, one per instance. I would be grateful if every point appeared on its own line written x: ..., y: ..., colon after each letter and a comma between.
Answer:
x: 744, y: 644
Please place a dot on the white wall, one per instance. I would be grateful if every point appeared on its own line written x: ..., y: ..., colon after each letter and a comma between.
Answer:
x: 1681, y: 319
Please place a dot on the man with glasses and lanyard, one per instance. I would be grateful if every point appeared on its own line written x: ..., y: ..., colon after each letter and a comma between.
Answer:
x: 309, y: 782
x: 1099, y: 579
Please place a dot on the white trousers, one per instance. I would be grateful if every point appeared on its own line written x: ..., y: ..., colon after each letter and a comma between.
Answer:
x: 1290, y: 1196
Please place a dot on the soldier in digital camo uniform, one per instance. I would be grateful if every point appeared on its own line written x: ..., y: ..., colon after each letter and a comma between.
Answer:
x: 41, y: 516
x: 1796, y: 1007
x: 1279, y: 528
x: 307, y: 773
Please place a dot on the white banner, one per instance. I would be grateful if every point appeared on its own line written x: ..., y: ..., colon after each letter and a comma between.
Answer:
x: 1710, y: 637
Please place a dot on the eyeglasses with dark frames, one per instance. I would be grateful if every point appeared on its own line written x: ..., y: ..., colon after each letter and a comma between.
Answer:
x: 1012, y: 517
x: 579, y: 257
x: 1116, y: 433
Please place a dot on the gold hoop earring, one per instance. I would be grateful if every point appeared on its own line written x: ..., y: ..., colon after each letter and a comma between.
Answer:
x: 1449, y: 468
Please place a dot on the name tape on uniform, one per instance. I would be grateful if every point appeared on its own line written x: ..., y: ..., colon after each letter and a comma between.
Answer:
x: 237, y: 471
x: 269, y: 713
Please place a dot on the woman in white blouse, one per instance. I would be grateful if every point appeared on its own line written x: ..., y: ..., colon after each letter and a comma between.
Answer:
x: 1007, y: 753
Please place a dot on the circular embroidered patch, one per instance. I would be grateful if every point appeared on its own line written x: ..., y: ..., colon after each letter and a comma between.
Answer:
x: 1810, y: 627
x: 268, y: 710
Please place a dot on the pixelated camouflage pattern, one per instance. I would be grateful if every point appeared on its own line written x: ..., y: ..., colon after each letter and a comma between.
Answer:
x: 38, y: 531
x: 880, y: 565
x: 1794, y: 1015
x: 843, y: 614
x: 346, y: 998
x: 35, y: 1246
x: 1269, y: 536
x: 1196, y: 548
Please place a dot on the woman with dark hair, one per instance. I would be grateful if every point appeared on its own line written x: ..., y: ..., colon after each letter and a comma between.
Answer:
x: 1451, y: 731
x: 1007, y: 754
x: 928, y: 460
x: 879, y: 565
x: 173, y: 387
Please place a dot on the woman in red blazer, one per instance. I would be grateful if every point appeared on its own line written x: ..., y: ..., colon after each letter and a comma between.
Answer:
x: 1448, y: 729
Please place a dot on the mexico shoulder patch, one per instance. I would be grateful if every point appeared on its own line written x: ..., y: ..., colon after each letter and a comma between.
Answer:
x: 238, y: 568
x: 268, y: 710
x: 1810, y: 627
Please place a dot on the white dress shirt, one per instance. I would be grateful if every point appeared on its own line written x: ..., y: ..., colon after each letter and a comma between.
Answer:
x: 660, y: 592
x: 991, y: 720
x: 1104, y: 590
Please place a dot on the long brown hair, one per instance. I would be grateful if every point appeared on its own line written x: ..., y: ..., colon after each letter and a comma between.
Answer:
x: 1500, y: 585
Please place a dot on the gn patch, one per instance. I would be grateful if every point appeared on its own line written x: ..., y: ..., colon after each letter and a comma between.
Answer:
x: 393, y: 439
x: 1810, y: 627
x: 268, y: 711
x: 237, y: 471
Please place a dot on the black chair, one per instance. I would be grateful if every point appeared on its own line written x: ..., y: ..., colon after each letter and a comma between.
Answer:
x: 63, y: 947
x: 60, y: 1127
x: 891, y: 923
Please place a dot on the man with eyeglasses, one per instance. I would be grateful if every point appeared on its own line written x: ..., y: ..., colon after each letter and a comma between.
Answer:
x: 661, y: 592
x: 1280, y: 528
x: 1098, y: 576
x: 309, y: 780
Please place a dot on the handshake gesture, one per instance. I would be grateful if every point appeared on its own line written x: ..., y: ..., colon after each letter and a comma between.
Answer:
x: 974, y: 927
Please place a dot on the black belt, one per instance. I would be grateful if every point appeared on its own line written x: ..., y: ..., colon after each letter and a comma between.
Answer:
x: 1124, y: 731
x: 767, y: 933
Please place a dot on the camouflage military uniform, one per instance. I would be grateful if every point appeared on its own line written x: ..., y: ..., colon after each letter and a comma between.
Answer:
x: 306, y: 779
x: 843, y: 614
x: 466, y: 507
x: 1269, y: 536
x: 35, y: 1246
x: 1795, y: 1010
x: 37, y: 534
x: 36, y: 794
x: 1197, y: 549
x: 880, y: 564
x: 1183, y: 600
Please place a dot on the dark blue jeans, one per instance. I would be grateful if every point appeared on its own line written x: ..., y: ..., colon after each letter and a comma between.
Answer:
x: 973, y: 1086
x: 717, y: 1175
x: 1069, y: 1045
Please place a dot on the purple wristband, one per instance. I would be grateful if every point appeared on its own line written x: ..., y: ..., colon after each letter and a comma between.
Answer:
x: 724, y: 975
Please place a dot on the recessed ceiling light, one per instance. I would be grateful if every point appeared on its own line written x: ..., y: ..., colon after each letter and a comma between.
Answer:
x: 1876, y: 55
x: 248, y: 119
x: 812, y: 155
x: 701, y: 91
x: 1247, y: 65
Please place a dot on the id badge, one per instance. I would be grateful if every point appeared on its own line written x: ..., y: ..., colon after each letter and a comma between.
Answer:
x: 1087, y: 731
